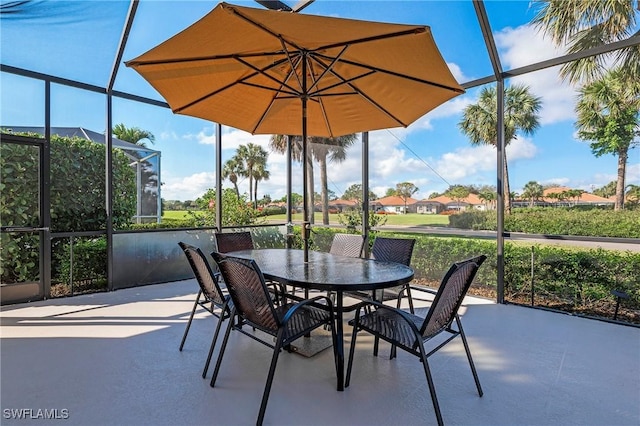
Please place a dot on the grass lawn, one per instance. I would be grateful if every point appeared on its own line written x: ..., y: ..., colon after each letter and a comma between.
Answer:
x: 411, y: 219
x: 175, y: 214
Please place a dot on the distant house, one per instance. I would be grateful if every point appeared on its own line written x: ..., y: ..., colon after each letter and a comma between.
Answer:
x: 429, y: 207
x: 394, y: 204
x: 340, y: 205
x: 448, y: 203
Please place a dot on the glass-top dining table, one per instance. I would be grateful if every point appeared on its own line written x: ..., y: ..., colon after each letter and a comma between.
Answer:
x: 328, y: 272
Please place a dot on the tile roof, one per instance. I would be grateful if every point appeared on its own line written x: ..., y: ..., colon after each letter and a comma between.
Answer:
x: 394, y: 200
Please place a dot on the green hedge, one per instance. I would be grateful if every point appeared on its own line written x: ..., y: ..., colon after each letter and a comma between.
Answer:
x: 556, y: 221
x: 77, y: 197
x: 565, y: 278
x: 89, y: 266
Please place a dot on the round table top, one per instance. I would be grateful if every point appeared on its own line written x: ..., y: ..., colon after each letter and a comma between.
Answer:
x: 327, y: 271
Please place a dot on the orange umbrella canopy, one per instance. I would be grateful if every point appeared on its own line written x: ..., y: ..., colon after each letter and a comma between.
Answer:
x: 258, y: 70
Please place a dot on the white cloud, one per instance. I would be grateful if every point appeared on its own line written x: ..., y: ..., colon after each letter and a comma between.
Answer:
x: 232, y: 138
x: 457, y: 72
x: 523, y: 46
x: 188, y: 187
x: 562, y: 181
x: 448, y: 109
x: 169, y: 136
x: 469, y: 161
x: 633, y: 171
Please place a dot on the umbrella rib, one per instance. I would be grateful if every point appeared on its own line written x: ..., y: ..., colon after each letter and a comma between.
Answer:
x: 282, y: 83
x: 315, y: 82
x: 291, y: 62
x: 411, y: 31
x: 327, y: 68
x: 358, y: 91
x: 396, y: 74
x: 262, y: 72
x: 199, y: 58
x: 241, y: 81
x: 236, y: 12
x: 342, y: 83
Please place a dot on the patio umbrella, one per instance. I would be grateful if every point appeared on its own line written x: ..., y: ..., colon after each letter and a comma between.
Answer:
x: 276, y: 72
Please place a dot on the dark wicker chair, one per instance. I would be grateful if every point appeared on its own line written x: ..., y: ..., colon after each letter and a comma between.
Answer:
x: 349, y: 245
x: 252, y: 305
x: 397, y: 250
x: 232, y: 241
x: 410, y: 332
x: 210, y: 296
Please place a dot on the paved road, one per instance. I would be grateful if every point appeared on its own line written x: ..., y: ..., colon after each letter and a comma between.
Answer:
x: 631, y: 244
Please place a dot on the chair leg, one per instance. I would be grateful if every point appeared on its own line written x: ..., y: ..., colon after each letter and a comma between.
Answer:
x: 411, y: 309
x: 432, y: 388
x: 272, y: 370
x: 193, y: 311
x: 352, y: 349
x: 222, y: 349
x: 468, y: 351
x: 213, y: 341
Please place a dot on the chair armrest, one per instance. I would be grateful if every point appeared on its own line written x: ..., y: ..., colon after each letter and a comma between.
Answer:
x: 402, y: 292
x: 406, y: 316
x: 424, y: 289
x: 306, y: 302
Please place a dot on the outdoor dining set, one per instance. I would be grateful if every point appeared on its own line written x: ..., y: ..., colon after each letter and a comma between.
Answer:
x: 278, y: 299
x: 268, y: 72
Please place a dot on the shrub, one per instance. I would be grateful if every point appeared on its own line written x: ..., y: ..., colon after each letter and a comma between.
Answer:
x: 272, y: 210
x: 89, y: 265
x: 557, y: 221
x: 77, y: 197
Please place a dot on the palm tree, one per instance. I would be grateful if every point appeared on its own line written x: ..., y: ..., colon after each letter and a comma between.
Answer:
x: 488, y: 197
x: 608, y: 114
x: 633, y: 194
x: 532, y: 191
x: 133, y: 134
x: 480, y: 121
x: 278, y: 143
x: 259, y: 173
x: 252, y: 156
x: 574, y: 194
x: 606, y: 191
x: 335, y: 150
x: 582, y: 25
x: 231, y: 170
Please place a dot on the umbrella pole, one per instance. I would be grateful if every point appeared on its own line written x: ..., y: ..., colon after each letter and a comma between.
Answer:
x: 306, y: 223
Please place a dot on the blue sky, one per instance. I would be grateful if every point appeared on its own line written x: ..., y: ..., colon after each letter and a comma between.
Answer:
x: 83, y: 49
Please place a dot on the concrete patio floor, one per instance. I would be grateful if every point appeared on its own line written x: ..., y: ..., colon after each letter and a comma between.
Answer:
x: 113, y: 359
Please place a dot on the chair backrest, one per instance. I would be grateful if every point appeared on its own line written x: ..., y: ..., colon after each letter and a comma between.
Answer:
x: 452, y: 290
x: 397, y: 250
x: 248, y: 290
x: 349, y: 245
x: 232, y: 241
x: 203, y: 273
